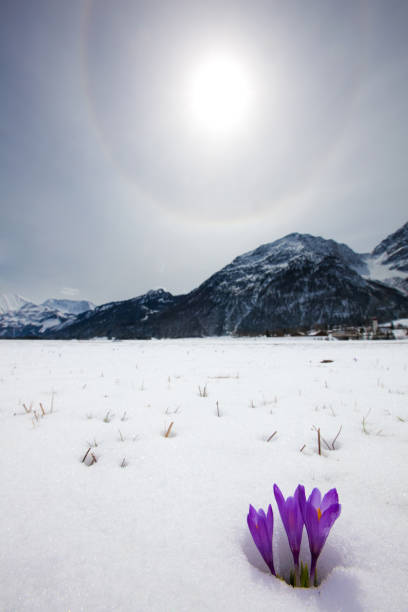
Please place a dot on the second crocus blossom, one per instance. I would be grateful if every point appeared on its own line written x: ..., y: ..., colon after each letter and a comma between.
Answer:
x: 292, y: 520
x: 261, y: 528
x: 319, y: 515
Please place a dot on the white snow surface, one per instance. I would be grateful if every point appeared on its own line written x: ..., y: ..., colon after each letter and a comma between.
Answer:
x: 168, y: 532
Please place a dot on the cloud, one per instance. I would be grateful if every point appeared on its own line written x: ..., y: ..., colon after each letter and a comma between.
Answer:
x: 69, y: 292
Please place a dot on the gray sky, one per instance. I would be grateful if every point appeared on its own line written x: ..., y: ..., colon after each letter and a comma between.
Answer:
x: 113, y: 182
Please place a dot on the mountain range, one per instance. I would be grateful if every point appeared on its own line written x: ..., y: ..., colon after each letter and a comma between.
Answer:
x: 21, y: 318
x: 299, y: 281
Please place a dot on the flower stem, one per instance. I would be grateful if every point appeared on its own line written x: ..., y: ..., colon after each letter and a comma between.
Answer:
x: 313, y: 570
x: 296, y: 574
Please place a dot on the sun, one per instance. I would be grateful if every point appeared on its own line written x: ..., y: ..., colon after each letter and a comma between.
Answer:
x: 220, y: 95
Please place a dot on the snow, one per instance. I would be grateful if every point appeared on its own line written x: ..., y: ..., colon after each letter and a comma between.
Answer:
x: 49, y: 323
x: 168, y: 531
x: 10, y: 302
x: 402, y: 322
x: 378, y: 270
x: 68, y: 306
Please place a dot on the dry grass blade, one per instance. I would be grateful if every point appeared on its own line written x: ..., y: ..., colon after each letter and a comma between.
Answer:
x: 336, y: 436
x: 326, y: 443
x: 85, y: 456
x: 166, y: 435
x: 364, y: 423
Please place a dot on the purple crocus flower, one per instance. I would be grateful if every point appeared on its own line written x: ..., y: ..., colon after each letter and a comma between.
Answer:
x: 292, y: 520
x: 261, y: 528
x: 319, y: 515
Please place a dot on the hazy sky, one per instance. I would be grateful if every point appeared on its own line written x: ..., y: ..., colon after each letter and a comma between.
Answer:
x: 145, y: 144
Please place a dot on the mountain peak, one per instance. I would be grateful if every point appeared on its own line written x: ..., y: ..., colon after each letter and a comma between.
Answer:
x: 295, y: 245
x: 9, y: 302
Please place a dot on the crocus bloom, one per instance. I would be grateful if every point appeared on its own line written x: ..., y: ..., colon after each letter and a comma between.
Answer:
x: 261, y: 528
x: 319, y: 515
x: 292, y: 520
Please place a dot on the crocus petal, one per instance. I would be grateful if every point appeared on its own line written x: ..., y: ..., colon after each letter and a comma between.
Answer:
x: 292, y: 520
x: 293, y: 517
x: 315, y: 498
x: 299, y: 489
x: 301, y: 495
x: 312, y: 528
x: 299, y: 514
x: 261, y: 528
x: 280, y: 500
x: 329, y: 499
x: 269, y: 522
x: 253, y: 528
x: 324, y: 526
x: 252, y: 513
x: 329, y: 516
x: 319, y: 516
x: 265, y: 541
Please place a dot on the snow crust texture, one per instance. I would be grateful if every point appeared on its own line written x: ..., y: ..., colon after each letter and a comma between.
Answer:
x: 158, y: 524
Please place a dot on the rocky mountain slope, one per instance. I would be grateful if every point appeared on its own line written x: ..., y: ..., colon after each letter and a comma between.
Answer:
x: 20, y: 318
x: 296, y: 282
x: 119, y: 319
x: 388, y: 262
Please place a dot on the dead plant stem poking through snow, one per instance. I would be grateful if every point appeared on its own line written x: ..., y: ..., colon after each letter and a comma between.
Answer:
x: 85, y: 456
x: 331, y: 446
x: 202, y: 392
x: 364, y: 423
x: 167, y: 433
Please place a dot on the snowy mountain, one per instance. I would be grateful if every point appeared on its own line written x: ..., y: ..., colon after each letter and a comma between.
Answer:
x: 21, y: 318
x: 119, y: 319
x: 388, y: 262
x: 298, y: 281
x: 10, y: 302
x: 75, y: 307
x: 31, y: 321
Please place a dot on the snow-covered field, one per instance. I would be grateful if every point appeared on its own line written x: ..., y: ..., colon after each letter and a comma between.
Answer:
x: 159, y: 523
